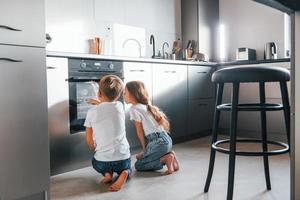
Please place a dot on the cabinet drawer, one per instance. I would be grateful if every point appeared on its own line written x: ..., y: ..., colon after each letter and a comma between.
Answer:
x: 200, y: 115
x: 22, y: 22
x: 139, y: 72
x: 199, y: 82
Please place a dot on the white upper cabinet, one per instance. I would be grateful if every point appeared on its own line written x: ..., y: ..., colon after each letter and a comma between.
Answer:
x: 22, y: 22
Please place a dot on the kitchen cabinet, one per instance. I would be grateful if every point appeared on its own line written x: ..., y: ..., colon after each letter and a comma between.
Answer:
x: 249, y: 122
x: 22, y: 23
x: 201, y: 113
x: 58, y: 103
x: 199, y: 82
x: 134, y: 71
x: 57, y: 86
x: 24, y: 143
x: 184, y: 93
x: 201, y: 98
x: 170, y: 95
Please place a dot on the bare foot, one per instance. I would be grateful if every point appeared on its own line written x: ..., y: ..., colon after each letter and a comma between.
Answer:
x: 168, y: 159
x: 116, y: 186
x: 175, y: 163
x: 107, y: 178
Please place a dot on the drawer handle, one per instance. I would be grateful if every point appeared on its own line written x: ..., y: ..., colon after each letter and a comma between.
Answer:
x: 170, y: 72
x: 137, y: 70
x: 10, y: 60
x: 202, y: 72
x: 49, y: 67
x: 9, y: 28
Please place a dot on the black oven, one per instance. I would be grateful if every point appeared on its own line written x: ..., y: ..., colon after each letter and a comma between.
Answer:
x: 83, y: 78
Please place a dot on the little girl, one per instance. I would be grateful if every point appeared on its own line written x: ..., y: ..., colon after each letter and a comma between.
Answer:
x: 153, y: 125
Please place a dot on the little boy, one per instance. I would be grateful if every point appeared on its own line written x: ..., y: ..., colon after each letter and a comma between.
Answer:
x: 106, y: 135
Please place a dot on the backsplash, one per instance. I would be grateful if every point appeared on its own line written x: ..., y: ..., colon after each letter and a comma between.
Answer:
x: 124, y: 26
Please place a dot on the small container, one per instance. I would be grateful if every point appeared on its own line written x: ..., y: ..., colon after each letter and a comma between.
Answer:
x: 173, y: 56
x: 189, y: 54
x: 95, y: 46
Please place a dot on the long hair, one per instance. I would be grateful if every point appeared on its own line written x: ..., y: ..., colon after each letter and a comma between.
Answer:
x: 138, y: 90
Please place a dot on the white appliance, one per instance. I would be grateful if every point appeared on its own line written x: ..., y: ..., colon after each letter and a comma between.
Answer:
x: 245, y: 54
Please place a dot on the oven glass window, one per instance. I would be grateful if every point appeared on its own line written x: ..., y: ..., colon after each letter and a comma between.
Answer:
x: 85, y: 91
x: 80, y: 93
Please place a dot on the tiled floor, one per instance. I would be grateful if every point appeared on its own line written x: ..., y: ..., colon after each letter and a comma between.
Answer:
x: 187, y: 184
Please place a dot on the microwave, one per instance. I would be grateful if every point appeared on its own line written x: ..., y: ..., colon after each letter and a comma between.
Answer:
x: 245, y: 54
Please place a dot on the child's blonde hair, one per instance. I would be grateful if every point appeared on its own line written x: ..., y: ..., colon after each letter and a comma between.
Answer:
x: 111, y: 86
x: 138, y: 90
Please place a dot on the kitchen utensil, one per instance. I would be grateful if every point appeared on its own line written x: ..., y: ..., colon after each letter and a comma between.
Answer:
x: 98, y: 45
x: 188, y: 46
x: 176, y: 50
x: 270, y: 50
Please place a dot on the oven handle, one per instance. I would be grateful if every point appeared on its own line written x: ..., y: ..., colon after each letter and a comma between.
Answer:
x: 86, y: 79
x: 72, y: 79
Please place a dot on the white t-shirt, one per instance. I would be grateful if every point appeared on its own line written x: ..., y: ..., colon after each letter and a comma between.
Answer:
x: 140, y: 113
x: 108, y: 123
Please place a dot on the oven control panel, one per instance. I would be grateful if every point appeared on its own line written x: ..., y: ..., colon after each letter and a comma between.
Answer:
x: 90, y: 65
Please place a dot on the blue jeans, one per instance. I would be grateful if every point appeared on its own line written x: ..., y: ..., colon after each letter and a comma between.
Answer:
x: 112, y: 166
x: 158, y: 145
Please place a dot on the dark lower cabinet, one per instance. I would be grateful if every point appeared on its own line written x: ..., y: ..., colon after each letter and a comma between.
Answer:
x: 200, y: 116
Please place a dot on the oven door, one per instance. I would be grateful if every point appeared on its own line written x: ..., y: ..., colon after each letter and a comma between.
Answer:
x: 81, y: 89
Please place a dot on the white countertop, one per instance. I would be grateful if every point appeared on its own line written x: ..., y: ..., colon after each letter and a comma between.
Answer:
x: 129, y: 59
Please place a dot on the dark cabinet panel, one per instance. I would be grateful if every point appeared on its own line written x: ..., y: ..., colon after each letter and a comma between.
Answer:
x: 199, y: 82
x: 200, y: 115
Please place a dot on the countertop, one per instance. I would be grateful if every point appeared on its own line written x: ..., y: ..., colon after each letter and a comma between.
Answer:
x: 163, y: 61
x: 252, y: 62
x: 129, y: 59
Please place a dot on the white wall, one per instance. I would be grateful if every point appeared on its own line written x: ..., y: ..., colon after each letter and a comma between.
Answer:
x: 250, y: 24
x: 72, y: 22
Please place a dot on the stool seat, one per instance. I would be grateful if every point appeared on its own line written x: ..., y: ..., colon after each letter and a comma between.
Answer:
x: 251, y: 74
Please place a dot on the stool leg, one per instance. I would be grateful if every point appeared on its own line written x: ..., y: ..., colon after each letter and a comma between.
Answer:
x: 263, y: 119
x: 286, y: 108
x: 214, y: 136
x: 233, y: 127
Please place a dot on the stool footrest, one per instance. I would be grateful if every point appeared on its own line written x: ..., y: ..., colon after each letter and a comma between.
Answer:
x: 252, y: 107
x: 283, y: 150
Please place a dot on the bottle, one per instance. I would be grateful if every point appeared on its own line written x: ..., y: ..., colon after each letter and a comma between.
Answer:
x: 107, y: 43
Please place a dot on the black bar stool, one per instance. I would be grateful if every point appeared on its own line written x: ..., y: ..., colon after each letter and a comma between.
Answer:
x: 235, y: 76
